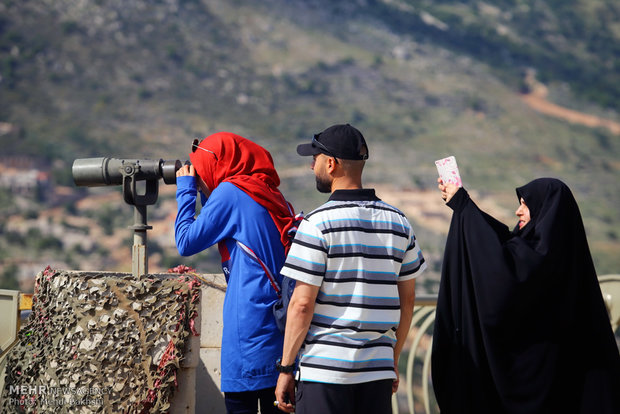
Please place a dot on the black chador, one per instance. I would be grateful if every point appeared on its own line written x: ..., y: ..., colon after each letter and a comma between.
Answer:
x: 521, y: 325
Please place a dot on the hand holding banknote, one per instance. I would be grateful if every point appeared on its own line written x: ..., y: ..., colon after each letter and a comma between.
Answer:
x: 449, y: 180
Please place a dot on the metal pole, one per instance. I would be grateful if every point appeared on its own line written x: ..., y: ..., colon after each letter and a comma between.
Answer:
x: 139, y: 263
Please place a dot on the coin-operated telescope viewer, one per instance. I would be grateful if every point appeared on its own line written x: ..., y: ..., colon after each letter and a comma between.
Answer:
x: 98, y: 172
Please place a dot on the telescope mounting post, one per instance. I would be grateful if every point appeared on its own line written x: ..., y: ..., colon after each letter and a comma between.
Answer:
x: 129, y: 170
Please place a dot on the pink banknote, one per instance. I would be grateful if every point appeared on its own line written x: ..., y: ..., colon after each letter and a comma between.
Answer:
x: 449, y: 171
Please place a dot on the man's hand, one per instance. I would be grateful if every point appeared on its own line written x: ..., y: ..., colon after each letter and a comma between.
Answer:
x: 298, y: 319
x: 186, y: 170
x: 285, y: 393
x: 396, y: 382
x: 447, y: 190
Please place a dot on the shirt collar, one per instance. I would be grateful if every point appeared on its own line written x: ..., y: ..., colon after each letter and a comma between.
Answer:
x: 363, y: 194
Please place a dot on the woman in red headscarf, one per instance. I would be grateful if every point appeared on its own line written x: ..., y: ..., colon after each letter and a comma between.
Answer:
x: 247, y: 216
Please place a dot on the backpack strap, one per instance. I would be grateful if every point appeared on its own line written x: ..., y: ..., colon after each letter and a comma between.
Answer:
x: 296, y: 222
x: 272, y: 279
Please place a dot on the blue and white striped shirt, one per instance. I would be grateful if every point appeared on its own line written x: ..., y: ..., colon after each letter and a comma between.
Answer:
x: 356, y: 248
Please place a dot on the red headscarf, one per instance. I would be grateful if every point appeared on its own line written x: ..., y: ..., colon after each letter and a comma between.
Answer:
x: 227, y: 157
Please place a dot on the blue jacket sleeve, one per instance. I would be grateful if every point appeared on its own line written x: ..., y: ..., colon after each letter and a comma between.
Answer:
x: 194, y: 234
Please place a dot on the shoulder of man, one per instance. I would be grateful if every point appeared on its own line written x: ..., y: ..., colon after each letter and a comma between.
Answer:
x: 334, y: 204
x: 392, y: 208
x: 314, y: 214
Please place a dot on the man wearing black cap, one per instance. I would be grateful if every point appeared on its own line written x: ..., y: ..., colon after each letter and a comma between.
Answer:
x: 355, y: 260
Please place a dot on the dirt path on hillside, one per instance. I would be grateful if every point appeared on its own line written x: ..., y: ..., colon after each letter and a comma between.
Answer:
x: 537, y: 100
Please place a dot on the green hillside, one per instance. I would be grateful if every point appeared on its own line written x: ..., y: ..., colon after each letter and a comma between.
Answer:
x: 421, y: 79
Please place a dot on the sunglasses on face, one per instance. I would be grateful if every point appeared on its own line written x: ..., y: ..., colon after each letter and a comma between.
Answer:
x: 196, y: 144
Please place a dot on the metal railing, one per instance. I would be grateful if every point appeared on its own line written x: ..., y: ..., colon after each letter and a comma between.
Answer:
x: 415, y: 394
x: 610, y: 288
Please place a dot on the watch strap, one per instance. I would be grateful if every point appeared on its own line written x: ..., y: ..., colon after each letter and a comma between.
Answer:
x: 285, y: 369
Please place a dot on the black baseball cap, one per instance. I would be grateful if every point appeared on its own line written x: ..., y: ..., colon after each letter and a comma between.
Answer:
x: 341, y: 141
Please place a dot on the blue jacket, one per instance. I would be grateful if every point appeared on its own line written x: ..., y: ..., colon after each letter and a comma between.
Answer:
x: 251, y: 342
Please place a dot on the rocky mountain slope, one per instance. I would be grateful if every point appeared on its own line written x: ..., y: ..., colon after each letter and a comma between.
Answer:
x: 422, y: 80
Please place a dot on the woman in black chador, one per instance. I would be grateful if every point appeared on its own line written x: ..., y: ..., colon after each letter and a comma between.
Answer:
x: 521, y: 325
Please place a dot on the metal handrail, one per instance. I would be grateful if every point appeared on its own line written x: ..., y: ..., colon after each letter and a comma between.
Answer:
x: 610, y: 288
x: 421, y: 328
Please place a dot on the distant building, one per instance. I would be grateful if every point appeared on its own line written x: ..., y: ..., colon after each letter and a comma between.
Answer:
x: 22, y: 175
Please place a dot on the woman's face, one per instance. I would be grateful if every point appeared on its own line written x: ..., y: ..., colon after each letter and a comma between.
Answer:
x: 523, y: 212
x: 202, y: 186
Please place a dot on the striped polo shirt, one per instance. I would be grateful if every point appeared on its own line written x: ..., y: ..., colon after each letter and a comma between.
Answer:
x: 356, y: 248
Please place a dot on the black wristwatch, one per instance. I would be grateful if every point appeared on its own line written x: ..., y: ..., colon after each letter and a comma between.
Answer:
x: 285, y: 369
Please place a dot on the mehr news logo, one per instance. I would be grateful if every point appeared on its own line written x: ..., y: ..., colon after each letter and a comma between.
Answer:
x: 43, y: 395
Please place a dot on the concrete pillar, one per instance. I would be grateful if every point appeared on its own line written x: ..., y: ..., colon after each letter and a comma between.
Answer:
x: 184, y: 398
x: 209, y: 398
